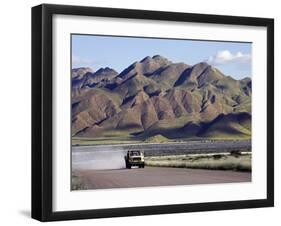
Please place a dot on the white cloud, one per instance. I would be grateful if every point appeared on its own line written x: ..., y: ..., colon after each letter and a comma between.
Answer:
x: 79, y: 61
x: 226, y: 57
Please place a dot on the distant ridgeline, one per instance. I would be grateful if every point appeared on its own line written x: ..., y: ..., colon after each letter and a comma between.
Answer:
x: 156, y: 99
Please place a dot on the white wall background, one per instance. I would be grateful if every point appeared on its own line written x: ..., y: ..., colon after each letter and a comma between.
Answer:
x: 15, y: 113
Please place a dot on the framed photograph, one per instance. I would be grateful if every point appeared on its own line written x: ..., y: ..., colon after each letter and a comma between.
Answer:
x: 145, y: 112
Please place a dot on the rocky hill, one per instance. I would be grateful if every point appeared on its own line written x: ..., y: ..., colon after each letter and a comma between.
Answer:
x: 155, y: 97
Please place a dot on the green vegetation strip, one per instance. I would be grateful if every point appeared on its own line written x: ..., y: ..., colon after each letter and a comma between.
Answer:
x: 157, y: 139
x: 235, y: 162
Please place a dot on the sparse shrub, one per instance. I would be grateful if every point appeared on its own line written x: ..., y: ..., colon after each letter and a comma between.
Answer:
x: 235, y: 153
x: 76, y: 183
x: 217, y: 156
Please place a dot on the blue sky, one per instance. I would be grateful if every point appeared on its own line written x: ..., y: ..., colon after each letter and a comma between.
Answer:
x: 232, y: 58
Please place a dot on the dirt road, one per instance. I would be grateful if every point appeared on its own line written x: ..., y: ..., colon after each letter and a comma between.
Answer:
x: 156, y: 176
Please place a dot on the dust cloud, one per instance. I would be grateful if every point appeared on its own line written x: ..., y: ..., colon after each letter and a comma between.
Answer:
x: 85, y: 158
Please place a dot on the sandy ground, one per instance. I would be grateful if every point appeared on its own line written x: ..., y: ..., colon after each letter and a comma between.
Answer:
x: 156, y: 176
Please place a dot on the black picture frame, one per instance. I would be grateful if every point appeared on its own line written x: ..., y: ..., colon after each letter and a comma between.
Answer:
x: 42, y: 107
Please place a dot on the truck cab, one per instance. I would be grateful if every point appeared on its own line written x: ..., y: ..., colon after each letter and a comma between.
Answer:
x: 134, y: 158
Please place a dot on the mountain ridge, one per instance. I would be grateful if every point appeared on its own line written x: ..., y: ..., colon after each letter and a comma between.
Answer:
x: 155, y: 96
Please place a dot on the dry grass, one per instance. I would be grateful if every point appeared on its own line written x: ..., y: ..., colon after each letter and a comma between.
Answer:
x: 76, y: 183
x: 201, y: 161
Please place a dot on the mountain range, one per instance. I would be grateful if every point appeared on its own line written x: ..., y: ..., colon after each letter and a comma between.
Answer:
x: 157, y: 97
